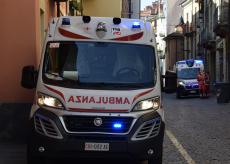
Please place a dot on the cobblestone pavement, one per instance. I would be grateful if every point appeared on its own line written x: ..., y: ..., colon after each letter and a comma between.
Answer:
x: 201, y: 126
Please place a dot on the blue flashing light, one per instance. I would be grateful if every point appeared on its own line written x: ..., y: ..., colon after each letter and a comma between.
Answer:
x: 181, y: 62
x: 157, y: 119
x: 136, y: 25
x: 117, y: 126
x: 198, y: 61
x: 65, y: 21
x: 42, y: 117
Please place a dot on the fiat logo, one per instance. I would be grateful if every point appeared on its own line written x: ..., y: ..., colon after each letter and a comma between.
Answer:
x: 97, y: 121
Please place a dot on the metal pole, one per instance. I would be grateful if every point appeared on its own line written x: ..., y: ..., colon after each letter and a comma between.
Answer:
x: 82, y: 10
x: 58, y: 9
x: 130, y: 1
x: 176, y: 49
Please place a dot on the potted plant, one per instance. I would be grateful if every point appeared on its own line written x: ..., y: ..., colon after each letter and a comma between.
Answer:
x: 77, y: 6
x: 161, y: 34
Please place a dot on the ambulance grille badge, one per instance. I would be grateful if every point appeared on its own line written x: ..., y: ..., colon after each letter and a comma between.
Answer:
x: 97, y: 121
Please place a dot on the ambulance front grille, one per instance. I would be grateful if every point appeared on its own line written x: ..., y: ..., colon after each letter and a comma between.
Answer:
x: 86, y: 124
x: 46, y: 126
x: 147, y: 130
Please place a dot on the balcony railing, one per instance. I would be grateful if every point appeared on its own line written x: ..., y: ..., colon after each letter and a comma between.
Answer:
x: 220, y: 16
x: 208, y: 38
x: 205, y: 36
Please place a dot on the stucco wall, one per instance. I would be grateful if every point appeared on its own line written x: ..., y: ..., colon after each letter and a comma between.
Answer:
x: 102, y: 8
x: 17, y: 47
x: 20, y: 45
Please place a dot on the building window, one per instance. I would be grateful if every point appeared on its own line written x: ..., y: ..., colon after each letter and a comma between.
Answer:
x: 195, y: 48
x: 187, y: 50
x: 168, y: 45
x: 187, y: 20
x: 195, y: 14
x: 169, y: 48
x: 191, y: 16
x: 191, y: 48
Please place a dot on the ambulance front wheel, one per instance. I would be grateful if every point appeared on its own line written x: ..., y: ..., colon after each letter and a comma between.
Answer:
x: 33, y: 160
x: 178, y: 95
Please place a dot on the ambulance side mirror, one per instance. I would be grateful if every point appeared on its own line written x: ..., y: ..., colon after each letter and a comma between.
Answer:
x: 28, y: 77
x: 170, y: 82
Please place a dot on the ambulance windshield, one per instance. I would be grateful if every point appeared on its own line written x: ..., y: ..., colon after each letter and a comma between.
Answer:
x: 188, y: 73
x: 99, y: 64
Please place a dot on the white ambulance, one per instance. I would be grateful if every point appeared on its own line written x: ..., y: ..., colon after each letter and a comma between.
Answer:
x: 98, y: 92
x: 187, y: 72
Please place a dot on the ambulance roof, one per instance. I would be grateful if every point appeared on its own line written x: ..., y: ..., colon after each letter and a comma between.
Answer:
x: 123, y: 32
x: 190, y: 64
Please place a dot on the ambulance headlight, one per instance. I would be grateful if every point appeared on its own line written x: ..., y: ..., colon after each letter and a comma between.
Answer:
x: 149, y: 104
x: 181, y: 83
x: 44, y: 100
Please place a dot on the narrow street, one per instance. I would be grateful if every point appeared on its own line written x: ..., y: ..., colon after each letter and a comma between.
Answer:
x: 197, y: 131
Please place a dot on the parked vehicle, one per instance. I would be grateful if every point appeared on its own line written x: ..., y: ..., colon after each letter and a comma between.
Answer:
x: 187, y: 72
x: 98, y: 91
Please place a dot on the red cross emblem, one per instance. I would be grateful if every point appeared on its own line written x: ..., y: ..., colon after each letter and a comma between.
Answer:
x: 87, y: 28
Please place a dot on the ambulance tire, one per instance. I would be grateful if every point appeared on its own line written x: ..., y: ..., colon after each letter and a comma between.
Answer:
x: 178, y: 95
x: 33, y: 160
x: 158, y: 160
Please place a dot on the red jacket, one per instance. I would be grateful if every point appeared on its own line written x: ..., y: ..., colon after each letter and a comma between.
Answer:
x: 207, y: 80
x: 200, y: 81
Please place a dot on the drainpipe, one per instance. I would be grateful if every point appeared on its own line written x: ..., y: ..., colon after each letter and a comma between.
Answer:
x: 228, y: 43
x: 130, y: 2
x: 82, y: 10
x: 176, y: 49
x: 58, y: 9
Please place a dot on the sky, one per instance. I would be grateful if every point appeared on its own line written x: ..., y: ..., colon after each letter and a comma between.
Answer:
x: 145, y: 3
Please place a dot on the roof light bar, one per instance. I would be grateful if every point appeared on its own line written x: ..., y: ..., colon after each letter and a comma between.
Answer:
x: 181, y: 62
x: 136, y: 24
x: 65, y: 21
x: 198, y: 61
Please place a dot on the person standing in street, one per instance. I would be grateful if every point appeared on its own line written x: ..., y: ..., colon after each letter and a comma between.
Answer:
x: 200, y: 79
x: 206, y: 85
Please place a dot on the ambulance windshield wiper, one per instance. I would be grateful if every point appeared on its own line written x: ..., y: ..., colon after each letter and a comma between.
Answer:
x: 76, y: 81
x: 63, y: 77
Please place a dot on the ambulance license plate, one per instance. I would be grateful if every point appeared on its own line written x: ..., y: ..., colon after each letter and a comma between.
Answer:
x: 192, y: 91
x: 97, y: 146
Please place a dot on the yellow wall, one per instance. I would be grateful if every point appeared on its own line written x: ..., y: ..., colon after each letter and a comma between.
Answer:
x: 102, y: 8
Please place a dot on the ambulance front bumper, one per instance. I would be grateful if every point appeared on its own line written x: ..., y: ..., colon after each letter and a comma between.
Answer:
x: 185, y: 91
x: 73, y: 145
